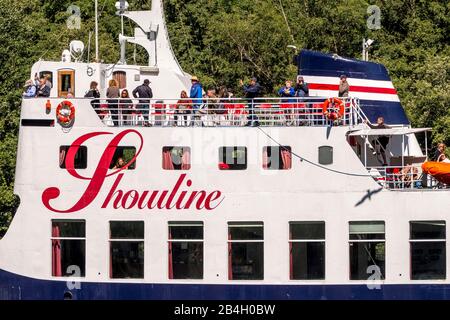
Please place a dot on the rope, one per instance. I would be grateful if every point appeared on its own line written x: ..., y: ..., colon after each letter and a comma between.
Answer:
x: 287, y: 22
x: 313, y: 163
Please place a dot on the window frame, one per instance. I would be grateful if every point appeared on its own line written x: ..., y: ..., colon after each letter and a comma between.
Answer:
x: 81, y: 147
x: 320, y: 158
x: 170, y: 149
x: 291, y: 241
x: 280, y: 160
x: 135, y: 240
x: 52, y: 238
x: 437, y: 240
x: 224, y: 155
x: 350, y: 241
x: 132, y: 167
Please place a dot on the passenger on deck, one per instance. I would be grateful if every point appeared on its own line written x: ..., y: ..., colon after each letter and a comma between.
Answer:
x: 301, y: 88
x: 29, y: 89
x: 113, y: 93
x: 93, y: 93
x: 287, y: 103
x: 301, y: 91
x: 343, y: 86
x: 221, y: 111
x: 44, y: 88
x: 144, y: 93
x: 382, y: 140
x: 212, y: 106
x: 196, y: 94
x: 440, y: 155
x: 69, y: 94
x: 126, y: 107
x: 184, y: 109
x: 252, y: 91
x: 410, y: 174
x: 120, y: 163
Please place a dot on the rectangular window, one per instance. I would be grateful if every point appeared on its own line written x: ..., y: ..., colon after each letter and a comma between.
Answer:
x: 428, y: 256
x: 245, y: 251
x: 122, y: 156
x: 80, y: 161
x: 367, y: 249
x: 185, y: 250
x: 126, y: 249
x: 326, y: 155
x: 176, y: 158
x: 307, y: 250
x: 68, y: 248
x: 277, y: 158
x: 233, y: 158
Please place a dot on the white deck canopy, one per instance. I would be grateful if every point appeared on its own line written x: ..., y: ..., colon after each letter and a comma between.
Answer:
x: 388, y: 132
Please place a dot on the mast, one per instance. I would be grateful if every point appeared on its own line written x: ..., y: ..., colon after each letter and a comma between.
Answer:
x: 96, y: 31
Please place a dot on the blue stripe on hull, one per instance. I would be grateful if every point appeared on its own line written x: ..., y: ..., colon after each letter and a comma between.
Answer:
x: 15, y: 287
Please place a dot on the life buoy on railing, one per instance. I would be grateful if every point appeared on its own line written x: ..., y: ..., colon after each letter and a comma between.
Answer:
x: 338, y: 104
x: 65, y: 113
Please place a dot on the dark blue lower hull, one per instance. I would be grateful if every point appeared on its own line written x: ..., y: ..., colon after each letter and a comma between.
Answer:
x: 16, y: 287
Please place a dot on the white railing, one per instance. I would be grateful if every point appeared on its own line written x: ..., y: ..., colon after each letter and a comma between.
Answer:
x: 406, y: 177
x: 225, y: 112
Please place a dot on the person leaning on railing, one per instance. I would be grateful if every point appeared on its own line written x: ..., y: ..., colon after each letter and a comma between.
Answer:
x: 252, y: 91
x: 93, y: 93
x: 113, y: 94
x: 144, y: 93
x: 183, y: 109
x: 287, y: 102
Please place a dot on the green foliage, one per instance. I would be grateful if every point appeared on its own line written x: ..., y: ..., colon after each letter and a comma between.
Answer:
x: 222, y: 41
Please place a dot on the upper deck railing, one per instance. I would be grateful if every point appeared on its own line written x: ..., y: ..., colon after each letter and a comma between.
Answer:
x: 233, y: 112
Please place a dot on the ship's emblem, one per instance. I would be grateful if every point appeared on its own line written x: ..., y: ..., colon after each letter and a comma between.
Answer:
x: 180, y: 197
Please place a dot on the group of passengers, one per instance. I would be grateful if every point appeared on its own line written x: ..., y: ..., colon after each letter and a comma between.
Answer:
x: 39, y: 87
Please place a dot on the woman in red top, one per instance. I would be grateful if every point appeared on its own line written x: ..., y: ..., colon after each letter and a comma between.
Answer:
x: 184, y: 109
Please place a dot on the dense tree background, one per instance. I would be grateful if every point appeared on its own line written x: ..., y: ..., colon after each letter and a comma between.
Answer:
x: 225, y: 40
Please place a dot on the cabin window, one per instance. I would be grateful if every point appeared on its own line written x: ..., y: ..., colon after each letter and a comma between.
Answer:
x: 121, y: 78
x: 428, y: 257
x: 307, y: 250
x: 80, y: 161
x: 66, y: 83
x: 326, y: 155
x: 126, y: 249
x: 176, y: 158
x: 185, y: 250
x: 68, y: 248
x: 277, y: 158
x: 367, y: 250
x: 122, y: 156
x: 47, y: 74
x: 233, y: 158
x: 245, y: 251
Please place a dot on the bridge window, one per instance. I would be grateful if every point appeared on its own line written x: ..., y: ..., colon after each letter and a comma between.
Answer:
x: 428, y: 257
x: 307, y: 250
x: 126, y: 249
x: 326, y: 155
x: 185, y: 250
x: 367, y: 250
x: 68, y: 248
x: 80, y: 161
x: 233, y: 158
x: 277, y: 158
x: 122, y: 156
x: 245, y: 251
x: 176, y: 158
x: 66, y: 82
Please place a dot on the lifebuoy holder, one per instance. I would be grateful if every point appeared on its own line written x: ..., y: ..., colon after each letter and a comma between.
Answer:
x: 338, y: 107
x: 65, y: 113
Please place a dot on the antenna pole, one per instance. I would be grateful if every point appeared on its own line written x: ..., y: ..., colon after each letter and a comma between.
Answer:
x: 96, y: 31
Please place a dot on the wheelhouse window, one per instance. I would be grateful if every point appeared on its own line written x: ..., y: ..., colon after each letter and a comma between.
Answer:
x: 176, y: 158
x: 428, y: 250
x: 307, y: 250
x: 367, y: 250
x: 245, y: 251
x: 66, y: 82
x: 68, y: 248
x: 126, y: 249
x: 233, y: 158
x: 122, y: 156
x: 185, y: 250
x: 80, y: 161
x: 277, y: 158
x: 326, y: 155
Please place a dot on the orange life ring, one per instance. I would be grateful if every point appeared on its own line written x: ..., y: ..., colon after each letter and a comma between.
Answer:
x: 338, y: 104
x: 62, y: 115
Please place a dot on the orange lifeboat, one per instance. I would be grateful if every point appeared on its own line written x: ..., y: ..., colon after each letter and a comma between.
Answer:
x: 439, y: 170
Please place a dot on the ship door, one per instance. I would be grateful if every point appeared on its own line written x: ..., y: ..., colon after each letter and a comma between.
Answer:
x: 66, y: 83
x: 121, y: 78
